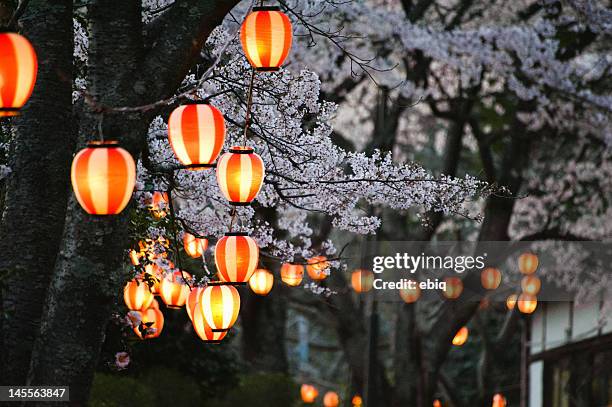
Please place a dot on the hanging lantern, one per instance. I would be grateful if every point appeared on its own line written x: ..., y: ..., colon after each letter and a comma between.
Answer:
x: 196, y: 133
x: 174, y: 290
x: 317, y: 268
x: 499, y: 401
x: 362, y: 280
x: 357, y: 401
x: 136, y: 295
x: 437, y: 403
x: 292, y: 274
x: 240, y: 174
x: 261, y: 282
x: 461, y: 336
x: 192, y: 300
x: 454, y: 288
x: 158, y: 203
x: 527, y: 304
x: 528, y: 263
x: 204, y: 331
x: 236, y: 257
x: 194, y: 246
x: 103, y: 177
x: 511, y: 301
x: 531, y: 285
x: 134, y: 258
x: 490, y: 278
x: 220, y: 306
x: 331, y: 399
x: 410, y: 295
x: 152, y: 323
x: 17, y: 72
x: 266, y: 36
x: 309, y: 393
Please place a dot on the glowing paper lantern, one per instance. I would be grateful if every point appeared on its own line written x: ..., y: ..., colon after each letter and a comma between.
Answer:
x: 196, y: 133
x: 362, y: 280
x: 511, y: 301
x: 204, y: 331
x: 158, y: 200
x: 527, y: 304
x: 261, y: 282
x: 357, y: 401
x: 410, y: 295
x: 454, y: 288
x: 174, y: 290
x: 331, y: 399
x: 499, y: 401
x: 194, y: 246
x: 292, y: 274
x: 103, y: 177
x: 266, y: 36
x: 17, y: 72
x: 461, y: 336
x: 236, y: 257
x: 192, y: 300
x: 151, y: 316
x: 437, y: 403
x: 531, y: 285
x: 220, y: 306
x: 528, y: 263
x: 309, y: 393
x: 317, y: 268
x: 240, y: 174
x: 490, y: 278
x: 134, y: 258
x: 137, y: 296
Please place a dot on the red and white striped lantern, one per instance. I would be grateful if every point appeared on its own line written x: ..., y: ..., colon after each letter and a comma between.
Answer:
x: 266, y: 36
x: 220, y: 306
x: 204, y: 331
x: 240, y: 174
x: 194, y: 246
x: 137, y: 296
x: 292, y: 274
x: 18, y: 69
x: 150, y: 315
x: 174, y: 290
x: 236, y: 257
x: 193, y: 299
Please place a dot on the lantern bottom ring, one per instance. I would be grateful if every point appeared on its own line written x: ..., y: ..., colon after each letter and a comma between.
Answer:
x: 267, y: 69
x: 196, y: 167
x: 235, y: 283
x: 212, y: 283
x: 240, y: 203
x: 220, y: 330
x: 9, y: 111
x: 212, y: 342
x: 173, y: 306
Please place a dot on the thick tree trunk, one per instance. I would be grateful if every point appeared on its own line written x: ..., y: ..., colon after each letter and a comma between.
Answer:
x: 37, y: 187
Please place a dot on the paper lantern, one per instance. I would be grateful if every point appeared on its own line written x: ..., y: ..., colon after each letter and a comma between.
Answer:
x: 194, y: 246
x: 527, y: 304
x: 309, y: 393
x: 531, y: 285
x: 236, y: 257
x: 490, y: 278
x: 437, y: 403
x: 158, y: 202
x: 192, y: 300
x: 220, y: 306
x: 331, y: 399
x: 362, y: 280
x: 196, y: 133
x: 261, y: 282
x: 528, y: 263
x: 410, y: 295
x: 317, y: 268
x: 18, y: 70
x: 292, y: 274
x: 240, y: 174
x: 357, y: 401
x: 266, y: 36
x: 461, y: 336
x: 499, y: 401
x: 511, y: 301
x: 204, y: 331
x: 134, y: 258
x: 151, y: 316
x: 174, y: 290
x: 136, y: 295
x: 454, y: 288
x: 103, y: 177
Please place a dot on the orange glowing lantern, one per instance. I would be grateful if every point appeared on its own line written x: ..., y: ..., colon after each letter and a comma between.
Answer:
x: 152, y: 323
x: 490, y: 278
x: 220, y: 306
x: 103, y: 177
x: 309, y: 393
x: 531, y: 285
x: 292, y: 274
x: 461, y: 336
x: 410, y: 295
x: 204, y: 331
x: 511, y: 301
x: 17, y: 72
x: 317, y: 268
x: 196, y: 133
x: 357, y: 401
x: 266, y: 36
x: 437, y: 403
x: 331, y: 399
x: 362, y: 280
x: 454, y: 287
x: 194, y: 246
x: 158, y: 200
x: 134, y: 257
x: 499, y: 401
x: 236, y: 257
x: 240, y: 174
x: 137, y: 296
x: 261, y: 282
x: 192, y: 300
x: 528, y: 263
x: 527, y: 304
x: 174, y: 290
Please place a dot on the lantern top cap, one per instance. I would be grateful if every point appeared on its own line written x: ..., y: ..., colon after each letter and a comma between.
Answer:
x: 241, y: 150
x: 266, y: 8
x: 103, y: 144
x: 218, y: 283
x: 195, y: 102
x: 236, y: 234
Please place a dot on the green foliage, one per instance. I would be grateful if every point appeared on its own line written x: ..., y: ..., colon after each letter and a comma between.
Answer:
x: 119, y: 390
x: 270, y: 390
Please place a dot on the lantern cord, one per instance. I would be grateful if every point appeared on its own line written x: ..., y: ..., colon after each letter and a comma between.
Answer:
x: 247, y: 118
x: 232, y: 220
x: 18, y: 13
x: 174, y: 233
x: 100, y: 126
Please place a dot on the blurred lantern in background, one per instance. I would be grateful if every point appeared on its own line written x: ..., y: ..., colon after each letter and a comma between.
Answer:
x: 499, y: 401
x: 490, y: 278
x: 528, y: 263
x: 437, y: 403
x: 261, y: 282
x: 527, y: 304
x: 454, y: 287
x: 461, y: 336
x: 240, y: 174
x: 194, y: 246
x: 193, y: 299
x: 220, y: 306
x: 357, y: 401
x: 151, y: 325
x: 158, y: 203
x: 511, y: 301
x: 292, y: 274
x: 204, y: 331
x: 362, y: 280
x: 410, y: 295
x: 309, y: 393
x: 317, y: 268
x: 331, y: 399
x: 266, y: 36
x: 196, y: 133
x: 17, y: 72
x: 136, y: 295
x: 174, y: 290
x: 531, y: 285
x: 134, y: 258
x: 236, y: 257
x: 103, y: 177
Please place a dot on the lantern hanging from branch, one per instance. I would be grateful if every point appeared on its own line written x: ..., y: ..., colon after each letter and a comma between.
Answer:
x: 292, y: 274
x: 158, y: 203
x: 317, y: 268
x: 309, y: 393
x: 151, y: 325
x: 196, y: 133
x: 236, y: 257
x: 103, y: 177
x: 18, y: 69
x: 454, y: 288
x: 137, y: 296
x: 357, y: 401
x: 461, y: 336
x: 490, y: 278
x: 220, y: 306
x: 174, y: 290
x: 410, y: 295
x: 194, y: 246
x: 531, y: 285
x: 266, y: 36
x: 331, y: 399
x: 499, y: 401
x: 437, y: 403
x: 511, y: 301
x: 527, y: 304
x: 240, y: 174
x: 528, y: 263
x: 134, y: 258
x: 192, y: 300
x: 261, y: 282
x: 204, y: 331
x: 362, y: 280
